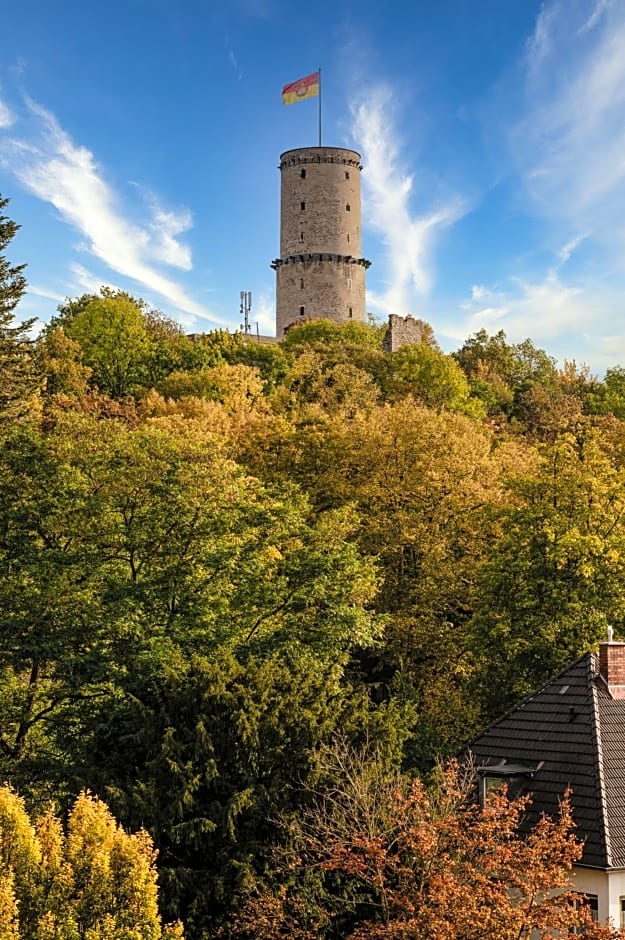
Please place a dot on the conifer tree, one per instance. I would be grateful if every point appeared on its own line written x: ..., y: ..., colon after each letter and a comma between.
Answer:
x: 17, y: 376
x: 98, y: 882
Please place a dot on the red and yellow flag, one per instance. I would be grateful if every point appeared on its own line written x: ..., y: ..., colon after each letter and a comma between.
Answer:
x: 307, y: 87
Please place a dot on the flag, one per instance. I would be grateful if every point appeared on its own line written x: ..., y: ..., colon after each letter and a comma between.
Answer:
x: 307, y: 87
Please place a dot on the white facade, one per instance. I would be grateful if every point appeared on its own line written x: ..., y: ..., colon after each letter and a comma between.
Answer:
x: 608, y: 887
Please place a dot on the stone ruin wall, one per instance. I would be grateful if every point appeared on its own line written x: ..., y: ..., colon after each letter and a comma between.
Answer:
x: 401, y: 331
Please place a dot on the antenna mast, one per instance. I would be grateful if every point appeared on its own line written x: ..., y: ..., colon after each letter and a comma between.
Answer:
x: 246, y: 306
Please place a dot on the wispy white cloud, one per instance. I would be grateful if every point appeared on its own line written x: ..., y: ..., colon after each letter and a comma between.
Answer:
x: 234, y: 62
x: 85, y: 280
x: 46, y: 292
x: 165, y: 226
x: 570, y: 248
x: 545, y: 308
x: 563, y: 115
x: 6, y: 117
x: 572, y: 319
x: 601, y: 7
x: 570, y: 140
x: 55, y: 169
x: 408, y: 233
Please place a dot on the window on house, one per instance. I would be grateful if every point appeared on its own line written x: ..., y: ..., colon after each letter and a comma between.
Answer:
x: 348, y: 208
x: 302, y: 173
x: 301, y: 283
x: 302, y: 311
x: 348, y: 238
x: 592, y: 902
x: 516, y: 777
x: 346, y: 174
x: 302, y: 206
x: 621, y: 903
x: 350, y: 313
x: 301, y: 236
x: 488, y: 784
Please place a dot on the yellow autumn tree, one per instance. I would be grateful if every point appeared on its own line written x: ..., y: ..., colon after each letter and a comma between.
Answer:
x: 96, y: 882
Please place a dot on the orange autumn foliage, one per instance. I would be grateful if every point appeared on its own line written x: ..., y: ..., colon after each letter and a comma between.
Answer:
x: 430, y: 863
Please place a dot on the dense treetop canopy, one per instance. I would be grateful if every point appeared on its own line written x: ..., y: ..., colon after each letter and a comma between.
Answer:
x: 218, y: 557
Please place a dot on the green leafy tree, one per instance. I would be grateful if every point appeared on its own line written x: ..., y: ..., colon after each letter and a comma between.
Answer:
x: 355, y: 346
x: 120, y: 547
x: 272, y: 361
x: 170, y: 348
x: 115, y: 343
x: 432, y: 378
x: 609, y: 397
x: 330, y: 334
x: 500, y: 373
x: 218, y: 347
x: 423, y: 484
x: 557, y: 571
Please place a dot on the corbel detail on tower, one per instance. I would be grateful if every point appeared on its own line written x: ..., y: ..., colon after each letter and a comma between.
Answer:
x: 309, y: 257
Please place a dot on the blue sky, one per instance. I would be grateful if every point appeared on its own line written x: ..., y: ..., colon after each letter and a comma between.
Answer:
x: 139, y: 143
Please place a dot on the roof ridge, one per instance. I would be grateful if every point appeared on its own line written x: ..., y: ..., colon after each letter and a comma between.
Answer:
x: 596, y: 734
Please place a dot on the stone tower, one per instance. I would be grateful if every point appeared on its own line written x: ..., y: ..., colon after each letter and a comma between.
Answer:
x: 320, y: 273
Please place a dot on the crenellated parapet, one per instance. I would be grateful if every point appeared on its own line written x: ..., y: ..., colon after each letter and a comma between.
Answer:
x: 300, y: 157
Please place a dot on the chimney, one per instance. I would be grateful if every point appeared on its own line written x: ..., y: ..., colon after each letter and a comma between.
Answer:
x: 612, y: 666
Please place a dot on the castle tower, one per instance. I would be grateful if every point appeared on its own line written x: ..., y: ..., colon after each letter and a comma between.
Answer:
x: 320, y: 273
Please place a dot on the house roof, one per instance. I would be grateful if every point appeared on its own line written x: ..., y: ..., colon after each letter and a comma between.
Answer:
x: 572, y: 731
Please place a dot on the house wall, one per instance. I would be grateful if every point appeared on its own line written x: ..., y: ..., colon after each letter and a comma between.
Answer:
x: 609, y: 886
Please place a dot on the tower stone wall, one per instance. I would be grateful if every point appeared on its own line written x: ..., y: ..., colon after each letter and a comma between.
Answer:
x: 320, y: 273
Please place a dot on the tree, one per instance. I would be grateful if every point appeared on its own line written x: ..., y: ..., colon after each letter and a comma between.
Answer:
x: 609, y: 398
x: 406, y: 861
x: 556, y: 573
x: 423, y: 484
x: 97, y: 881
x: 115, y: 342
x: 500, y: 373
x: 239, y: 388
x: 60, y: 361
x: 355, y: 346
x: 18, y: 379
x: 322, y: 384
x: 330, y: 334
x: 431, y: 377
x: 208, y: 756
x: 124, y: 548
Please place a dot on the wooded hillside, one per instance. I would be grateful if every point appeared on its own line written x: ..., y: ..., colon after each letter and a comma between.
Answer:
x: 219, y: 558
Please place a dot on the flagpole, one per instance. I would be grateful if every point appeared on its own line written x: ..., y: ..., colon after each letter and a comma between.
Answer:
x: 320, y: 107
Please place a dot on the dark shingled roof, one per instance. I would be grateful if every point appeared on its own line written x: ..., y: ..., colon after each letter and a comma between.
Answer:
x: 573, y: 732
